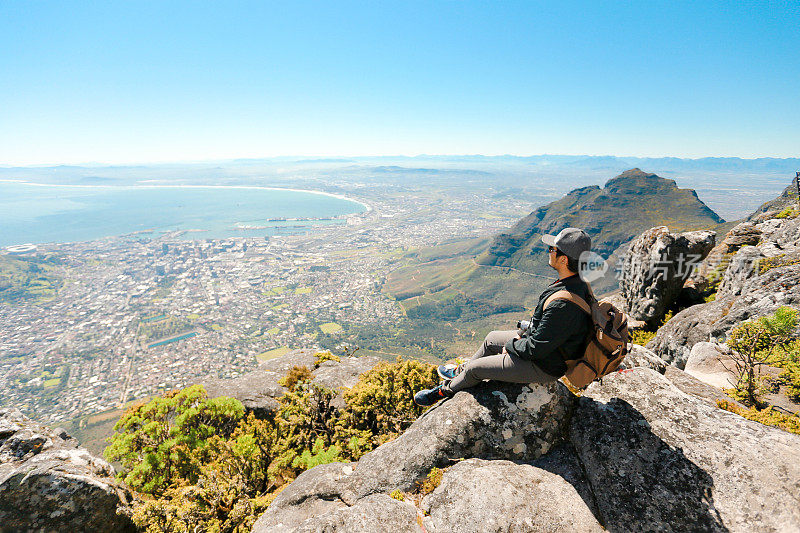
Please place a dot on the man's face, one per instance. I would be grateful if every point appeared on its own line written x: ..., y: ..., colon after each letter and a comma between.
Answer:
x: 552, y: 257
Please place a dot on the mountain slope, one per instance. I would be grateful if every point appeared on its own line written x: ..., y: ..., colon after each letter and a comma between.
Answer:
x: 788, y: 198
x: 451, y: 297
x: 628, y: 204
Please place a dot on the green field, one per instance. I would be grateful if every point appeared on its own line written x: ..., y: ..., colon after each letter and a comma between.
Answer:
x: 274, y: 291
x: 51, y: 383
x: 273, y: 331
x: 28, y: 278
x: 272, y: 354
x: 330, y: 327
x: 303, y: 290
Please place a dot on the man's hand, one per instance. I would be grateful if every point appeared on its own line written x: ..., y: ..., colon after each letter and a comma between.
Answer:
x: 504, y: 348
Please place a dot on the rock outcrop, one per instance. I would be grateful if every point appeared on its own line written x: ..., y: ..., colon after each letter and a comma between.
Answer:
x: 478, y: 496
x: 711, y: 363
x: 492, y: 421
x: 657, y: 265
x: 259, y: 390
x: 744, y: 234
x: 646, y: 452
x: 788, y: 198
x: 658, y: 459
x: 756, y: 281
x: 641, y: 356
x: 49, y: 483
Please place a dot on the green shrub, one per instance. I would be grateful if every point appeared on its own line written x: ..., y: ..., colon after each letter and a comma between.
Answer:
x: 297, y: 374
x: 318, y: 455
x: 642, y: 336
x: 166, y: 439
x: 787, y: 357
x: 788, y: 212
x: 768, y: 416
x: 321, y: 357
x: 200, y: 464
x: 429, y: 484
x: 768, y: 263
x: 757, y: 343
x: 381, y: 405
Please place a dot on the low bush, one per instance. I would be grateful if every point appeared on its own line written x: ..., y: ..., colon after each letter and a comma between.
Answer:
x: 756, y: 343
x: 788, y: 212
x: 768, y: 416
x: 198, y: 463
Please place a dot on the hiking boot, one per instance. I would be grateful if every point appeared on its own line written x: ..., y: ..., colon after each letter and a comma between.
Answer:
x: 427, y: 397
x: 449, y: 371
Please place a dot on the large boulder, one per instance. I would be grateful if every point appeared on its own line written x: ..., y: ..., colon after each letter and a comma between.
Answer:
x: 661, y: 460
x: 377, y: 513
x: 760, y: 295
x: 742, y: 266
x: 694, y: 387
x: 492, y: 420
x: 641, y: 356
x: 712, y: 363
x: 759, y: 271
x: 480, y: 496
x: 744, y: 234
x: 314, y: 492
x: 655, y: 268
x: 49, y: 483
x: 259, y: 390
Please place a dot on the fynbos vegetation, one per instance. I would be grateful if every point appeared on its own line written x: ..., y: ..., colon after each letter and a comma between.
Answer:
x: 204, y: 462
x: 766, y: 341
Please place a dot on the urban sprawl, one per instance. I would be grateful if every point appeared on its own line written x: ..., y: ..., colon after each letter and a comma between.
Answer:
x: 135, y: 317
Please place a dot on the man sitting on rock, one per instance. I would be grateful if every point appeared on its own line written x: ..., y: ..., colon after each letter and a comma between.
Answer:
x: 536, y: 355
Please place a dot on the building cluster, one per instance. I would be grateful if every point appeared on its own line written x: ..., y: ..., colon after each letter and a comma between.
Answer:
x: 138, y: 316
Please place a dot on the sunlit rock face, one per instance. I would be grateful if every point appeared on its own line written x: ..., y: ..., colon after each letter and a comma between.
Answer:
x: 49, y: 483
x: 656, y: 266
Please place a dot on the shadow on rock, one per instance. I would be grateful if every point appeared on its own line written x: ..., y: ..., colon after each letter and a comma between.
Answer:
x: 640, y: 483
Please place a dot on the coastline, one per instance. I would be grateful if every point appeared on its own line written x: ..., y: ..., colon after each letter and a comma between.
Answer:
x: 366, y: 206
x: 359, y: 209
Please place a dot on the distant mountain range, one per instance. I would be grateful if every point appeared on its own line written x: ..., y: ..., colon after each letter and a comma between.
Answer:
x: 614, y: 163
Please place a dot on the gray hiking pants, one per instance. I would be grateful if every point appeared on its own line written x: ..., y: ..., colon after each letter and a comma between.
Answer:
x: 489, y: 363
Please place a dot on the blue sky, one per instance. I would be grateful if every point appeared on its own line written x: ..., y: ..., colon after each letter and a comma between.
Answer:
x: 155, y: 81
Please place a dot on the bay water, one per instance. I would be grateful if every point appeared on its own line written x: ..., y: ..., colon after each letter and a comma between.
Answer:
x: 44, y: 213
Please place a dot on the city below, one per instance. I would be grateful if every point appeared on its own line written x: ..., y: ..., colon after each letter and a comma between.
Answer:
x: 135, y: 317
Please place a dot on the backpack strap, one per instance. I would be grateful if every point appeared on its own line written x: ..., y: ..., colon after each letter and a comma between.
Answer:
x: 570, y: 297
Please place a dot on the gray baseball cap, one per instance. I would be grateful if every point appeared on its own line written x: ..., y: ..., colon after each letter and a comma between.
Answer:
x: 572, y: 241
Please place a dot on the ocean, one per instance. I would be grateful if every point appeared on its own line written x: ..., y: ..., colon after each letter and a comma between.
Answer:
x: 38, y: 213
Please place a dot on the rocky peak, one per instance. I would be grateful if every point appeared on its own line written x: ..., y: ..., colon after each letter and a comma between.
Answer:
x: 636, y: 181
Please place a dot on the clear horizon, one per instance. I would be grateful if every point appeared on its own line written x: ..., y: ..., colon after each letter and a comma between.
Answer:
x: 179, y: 82
x: 355, y: 157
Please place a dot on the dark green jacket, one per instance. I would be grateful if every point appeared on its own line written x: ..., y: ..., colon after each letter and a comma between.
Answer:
x: 562, y: 325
